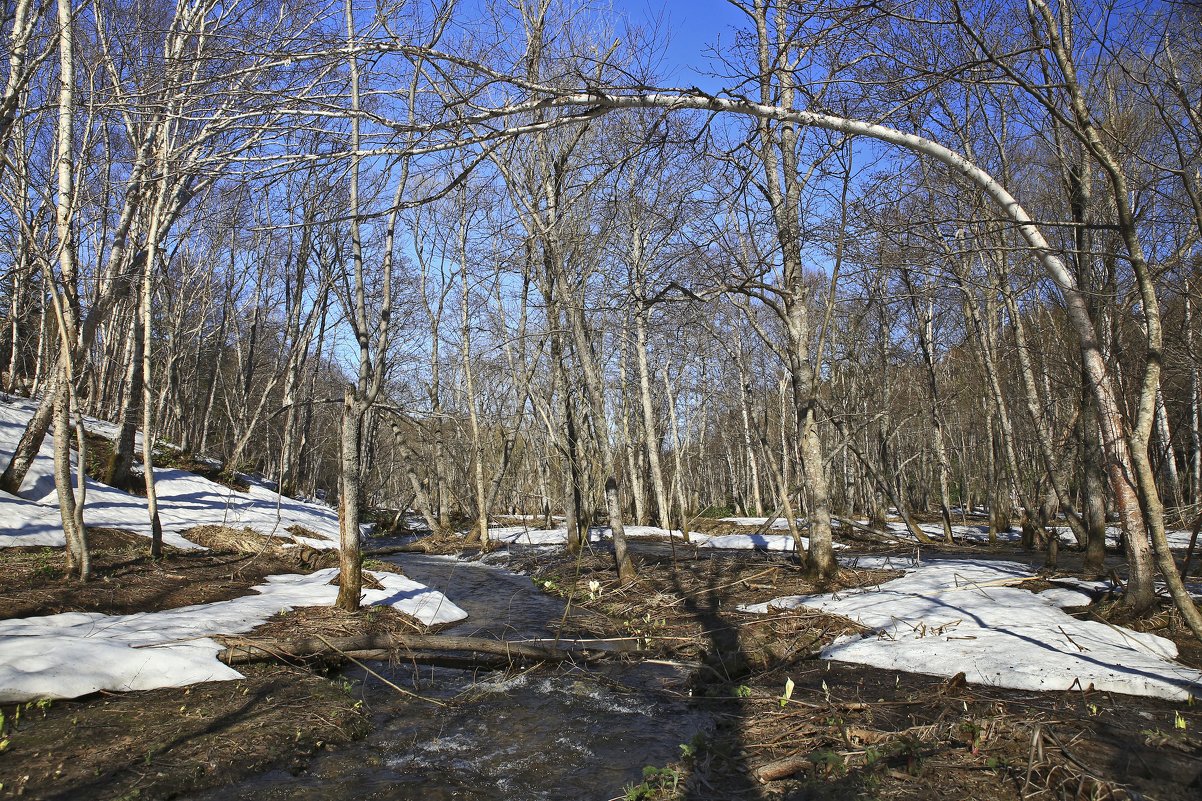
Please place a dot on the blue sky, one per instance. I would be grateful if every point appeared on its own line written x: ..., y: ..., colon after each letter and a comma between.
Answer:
x: 692, y: 27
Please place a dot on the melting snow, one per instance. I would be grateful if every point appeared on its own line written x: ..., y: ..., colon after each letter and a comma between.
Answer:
x: 951, y: 616
x: 523, y: 535
x: 185, y: 500
x: 76, y: 653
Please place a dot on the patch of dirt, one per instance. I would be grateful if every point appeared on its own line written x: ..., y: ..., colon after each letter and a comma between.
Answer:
x: 329, y: 621
x: 169, y: 742
x: 688, y: 609
x: 126, y: 579
x: 297, y: 530
x: 849, y: 731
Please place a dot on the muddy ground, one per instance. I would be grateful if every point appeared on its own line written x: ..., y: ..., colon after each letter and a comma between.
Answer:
x: 850, y: 731
x: 168, y: 742
x: 846, y: 732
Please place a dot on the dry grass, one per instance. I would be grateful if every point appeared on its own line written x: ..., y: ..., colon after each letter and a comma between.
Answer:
x: 126, y: 579
x: 328, y: 621
x: 237, y: 540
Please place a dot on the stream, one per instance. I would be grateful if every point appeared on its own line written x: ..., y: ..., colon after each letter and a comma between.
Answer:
x: 569, y: 732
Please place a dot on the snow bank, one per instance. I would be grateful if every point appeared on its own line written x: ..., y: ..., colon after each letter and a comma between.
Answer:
x: 779, y: 524
x: 762, y: 542
x: 970, y: 533
x: 980, y: 534
x: 185, y: 500
x: 881, y: 562
x: 522, y: 535
x: 953, y: 616
x: 76, y: 653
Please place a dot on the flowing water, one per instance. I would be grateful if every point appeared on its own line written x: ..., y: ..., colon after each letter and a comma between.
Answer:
x: 571, y: 732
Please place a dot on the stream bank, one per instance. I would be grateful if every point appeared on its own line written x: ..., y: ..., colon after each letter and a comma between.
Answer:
x: 546, y: 733
x: 577, y: 732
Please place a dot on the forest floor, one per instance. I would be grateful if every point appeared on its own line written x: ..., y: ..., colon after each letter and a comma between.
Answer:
x: 128, y: 580
x: 167, y: 742
x: 843, y: 731
x: 854, y: 731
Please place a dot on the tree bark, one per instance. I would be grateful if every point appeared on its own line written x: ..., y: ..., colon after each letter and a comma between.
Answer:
x: 350, y: 587
x: 651, y: 437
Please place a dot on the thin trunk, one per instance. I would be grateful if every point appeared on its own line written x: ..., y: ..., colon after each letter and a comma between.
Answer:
x: 118, y: 471
x: 924, y: 314
x: 70, y: 509
x: 1195, y: 405
x: 31, y: 440
x: 437, y: 457
x: 576, y: 522
x: 596, y: 395
x: 1168, y: 454
x: 651, y: 437
x: 631, y: 451
x: 66, y: 303
x: 1093, y: 485
x: 350, y: 574
x: 480, y: 532
x: 677, y: 482
x: 753, y: 469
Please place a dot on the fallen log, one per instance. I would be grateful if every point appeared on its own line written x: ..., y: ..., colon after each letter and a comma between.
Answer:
x: 782, y: 768
x: 389, y: 550
x: 623, y: 645
x: 437, y: 649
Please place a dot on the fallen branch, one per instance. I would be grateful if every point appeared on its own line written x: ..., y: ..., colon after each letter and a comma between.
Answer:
x: 394, y: 686
x: 443, y: 650
x: 389, y: 550
x: 859, y: 531
x: 624, y: 645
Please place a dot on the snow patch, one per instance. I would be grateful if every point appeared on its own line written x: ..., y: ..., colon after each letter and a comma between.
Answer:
x: 779, y: 524
x: 76, y: 653
x: 951, y: 616
x: 523, y: 535
x: 185, y: 500
x: 761, y: 542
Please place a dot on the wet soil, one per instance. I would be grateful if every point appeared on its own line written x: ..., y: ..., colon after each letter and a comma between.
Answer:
x: 850, y: 731
x: 172, y: 741
x: 568, y: 731
x: 700, y: 717
x: 168, y: 742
